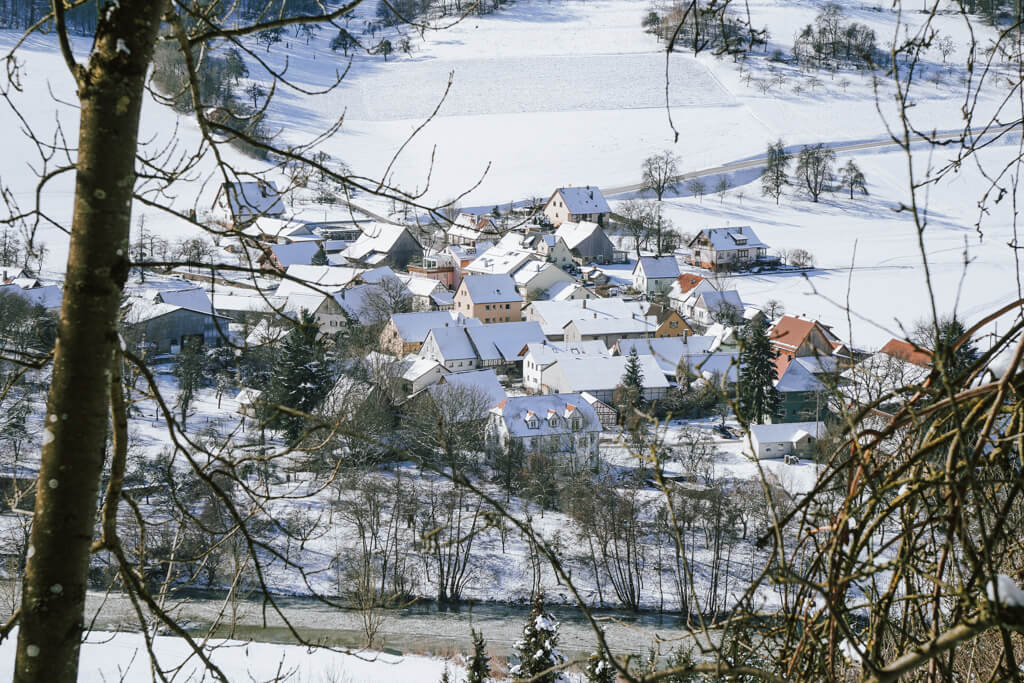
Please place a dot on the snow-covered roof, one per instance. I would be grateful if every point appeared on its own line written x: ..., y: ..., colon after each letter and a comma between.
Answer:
x: 140, y: 310
x: 452, y: 343
x: 47, y: 296
x: 358, y: 301
x: 421, y: 286
x: 655, y: 267
x: 604, y: 374
x: 295, y: 254
x: 798, y: 377
x: 378, y: 275
x: 276, y: 228
x: 555, y: 315
x: 531, y: 269
x: 414, y: 327
x: 247, y: 396
x: 520, y: 412
x: 718, y: 301
x: 466, y: 252
x: 490, y: 289
x: 575, y: 233
x: 327, y: 278
x: 498, y: 260
x: 194, y: 299
x: 667, y: 351
x: 724, y: 364
x: 563, y: 291
x: 504, y: 341
x: 632, y: 325
x: 240, y: 303
x: 472, y: 226
x: 786, y: 432
x: 413, y: 367
x: 547, y: 352
x: 249, y: 199
x: 483, y: 383
x: 584, y: 199
x: 377, y: 239
x: 725, y: 239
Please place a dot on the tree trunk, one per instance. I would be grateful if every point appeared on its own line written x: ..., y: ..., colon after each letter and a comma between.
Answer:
x: 110, y: 91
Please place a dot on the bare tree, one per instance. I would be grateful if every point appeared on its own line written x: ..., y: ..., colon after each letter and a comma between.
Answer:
x: 814, y: 169
x: 660, y: 173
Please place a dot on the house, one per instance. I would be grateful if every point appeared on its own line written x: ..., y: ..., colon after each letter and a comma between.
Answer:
x: 468, y: 228
x: 609, y: 416
x: 464, y: 396
x: 769, y: 441
x: 451, y: 347
x: 162, y: 327
x: 497, y: 261
x: 794, y: 337
x: 329, y: 314
x: 436, y: 265
x: 47, y: 296
x: 540, y: 356
x: 667, y: 351
x: 489, y: 299
x: 669, y: 321
x: 563, y: 425
x: 535, y: 278
x: 405, y: 333
x: 553, y: 316
x: 569, y: 291
x: 383, y: 244
x: 274, y: 230
x: 241, y: 203
x: 610, y: 330
x: 712, y: 306
x: 719, y: 367
x: 317, y: 279
x: 547, y: 247
x: 906, y: 351
x: 575, y: 204
x: 655, y: 274
x: 882, y: 381
x: 727, y: 248
x: 247, y: 401
x: 427, y: 294
x: 587, y: 242
x: 601, y: 376
x: 371, y: 303
x: 414, y: 374
x: 503, y: 344
x: 684, y: 292
x: 805, y: 388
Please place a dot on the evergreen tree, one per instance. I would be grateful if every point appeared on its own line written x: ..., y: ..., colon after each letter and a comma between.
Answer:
x: 300, y: 377
x: 776, y: 171
x: 479, y: 667
x: 758, y: 397
x: 190, y: 370
x: 538, y: 650
x: 950, y: 332
x: 599, y: 669
x: 629, y: 396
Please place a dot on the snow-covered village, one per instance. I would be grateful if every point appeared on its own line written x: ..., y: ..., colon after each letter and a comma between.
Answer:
x: 538, y: 340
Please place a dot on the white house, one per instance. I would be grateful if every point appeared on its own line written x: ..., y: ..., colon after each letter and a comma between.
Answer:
x: 574, y: 204
x: 553, y: 316
x: 468, y: 228
x: 541, y: 356
x: 406, y: 332
x: 564, y: 425
x: 652, y: 274
x: 451, y: 347
x: 467, y: 348
x: 536, y: 278
x: 778, y: 440
x: 710, y: 307
x: 727, y: 248
x: 243, y: 202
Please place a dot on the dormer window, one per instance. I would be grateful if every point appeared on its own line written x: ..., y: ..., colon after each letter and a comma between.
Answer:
x: 553, y: 420
x: 577, y: 424
x: 532, y: 423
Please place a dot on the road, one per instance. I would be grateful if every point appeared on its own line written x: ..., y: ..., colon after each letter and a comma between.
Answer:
x: 760, y: 161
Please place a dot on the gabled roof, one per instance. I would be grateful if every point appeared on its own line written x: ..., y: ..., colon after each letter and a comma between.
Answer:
x: 516, y: 411
x: 786, y: 431
x: 655, y: 267
x: 688, y: 281
x: 47, y: 296
x: 504, y: 341
x: 557, y: 314
x: 667, y: 351
x: 546, y: 352
x: 498, y: 260
x: 327, y: 278
x: 530, y: 270
x: 716, y: 301
x: 414, y: 327
x: 249, y: 199
x: 421, y: 286
x: 564, y: 291
x: 592, y: 326
x: 707, y: 365
x: 295, y: 254
x: 790, y: 332
x: 584, y: 199
x: 483, y: 382
x: 194, y: 299
x: 908, y: 352
x: 725, y: 239
x: 605, y: 374
x: 490, y: 289
x: 472, y: 226
x: 377, y: 239
x: 358, y: 301
x: 575, y: 233
x: 797, y: 377
x: 452, y: 343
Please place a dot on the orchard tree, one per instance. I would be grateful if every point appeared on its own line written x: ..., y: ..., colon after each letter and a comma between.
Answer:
x: 660, y: 173
x: 814, y: 169
x: 384, y: 47
x: 850, y: 177
x: 775, y: 176
x: 343, y: 41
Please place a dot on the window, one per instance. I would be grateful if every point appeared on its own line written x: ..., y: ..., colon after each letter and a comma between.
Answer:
x: 532, y: 423
x: 673, y: 324
x: 577, y: 423
x: 487, y: 307
x: 507, y: 306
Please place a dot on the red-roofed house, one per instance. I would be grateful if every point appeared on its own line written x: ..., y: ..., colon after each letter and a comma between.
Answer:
x: 688, y: 281
x: 794, y: 337
x: 905, y: 351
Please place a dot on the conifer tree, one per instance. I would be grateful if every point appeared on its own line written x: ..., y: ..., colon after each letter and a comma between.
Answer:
x: 300, y: 376
x: 190, y: 370
x: 633, y: 380
x: 950, y: 332
x: 599, y: 669
x: 758, y: 397
x: 537, y: 652
x: 479, y: 666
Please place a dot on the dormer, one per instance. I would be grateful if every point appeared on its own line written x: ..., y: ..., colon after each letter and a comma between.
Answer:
x: 531, y: 420
x: 553, y: 419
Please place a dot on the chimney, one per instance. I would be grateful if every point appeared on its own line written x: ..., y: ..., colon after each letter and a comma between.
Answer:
x: 741, y: 229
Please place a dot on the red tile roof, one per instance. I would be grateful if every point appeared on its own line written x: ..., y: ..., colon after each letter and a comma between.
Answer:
x: 688, y: 281
x: 908, y: 352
